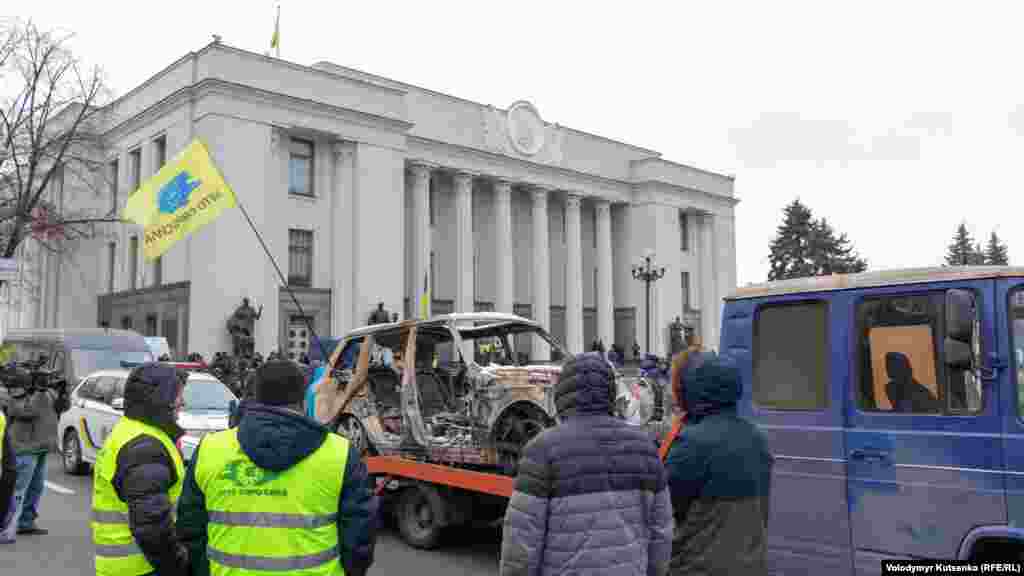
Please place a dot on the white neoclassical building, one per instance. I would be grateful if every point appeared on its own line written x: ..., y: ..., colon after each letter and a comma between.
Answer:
x: 369, y: 190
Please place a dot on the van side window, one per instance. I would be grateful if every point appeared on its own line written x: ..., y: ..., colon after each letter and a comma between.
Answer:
x: 1017, y: 343
x: 902, y: 367
x: 791, y: 356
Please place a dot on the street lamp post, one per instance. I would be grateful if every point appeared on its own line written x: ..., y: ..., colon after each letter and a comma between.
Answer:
x: 648, y: 273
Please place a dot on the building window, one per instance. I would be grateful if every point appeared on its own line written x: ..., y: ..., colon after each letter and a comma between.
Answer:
x: 151, y: 325
x: 300, y: 167
x: 114, y: 181
x: 594, y: 227
x: 564, y: 235
x: 159, y: 153
x: 135, y: 167
x: 684, y: 231
x: 126, y: 322
x: 111, y: 265
x: 300, y: 258
x: 169, y: 330
x: 432, y: 201
x: 158, y: 271
x: 299, y: 337
x: 595, y: 286
x: 133, y: 262
x: 791, y: 351
x: 433, y: 273
x: 687, y: 304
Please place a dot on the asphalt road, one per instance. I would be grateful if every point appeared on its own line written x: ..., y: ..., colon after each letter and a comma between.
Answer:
x: 67, y: 549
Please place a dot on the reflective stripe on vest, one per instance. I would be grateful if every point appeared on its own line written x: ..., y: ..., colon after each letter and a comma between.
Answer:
x: 265, y: 521
x: 117, y: 554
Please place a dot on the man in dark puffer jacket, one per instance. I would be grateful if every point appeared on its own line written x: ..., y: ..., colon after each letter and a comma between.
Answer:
x: 145, y: 471
x: 591, y: 495
x: 719, y: 473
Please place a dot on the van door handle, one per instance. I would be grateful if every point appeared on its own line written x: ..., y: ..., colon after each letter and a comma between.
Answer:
x: 868, y: 454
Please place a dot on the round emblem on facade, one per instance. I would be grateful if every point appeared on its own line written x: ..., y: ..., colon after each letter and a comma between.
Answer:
x: 525, y: 128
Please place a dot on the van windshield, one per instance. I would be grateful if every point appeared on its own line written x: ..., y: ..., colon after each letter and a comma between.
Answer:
x: 85, y: 361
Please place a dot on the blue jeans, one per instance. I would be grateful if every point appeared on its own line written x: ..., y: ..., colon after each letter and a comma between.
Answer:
x: 28, y: 489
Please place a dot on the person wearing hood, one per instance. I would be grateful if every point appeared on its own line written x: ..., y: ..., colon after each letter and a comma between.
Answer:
x: 138, y: 477
x: 590, y: 496
x: 279, y: 493
x: 719, y: 475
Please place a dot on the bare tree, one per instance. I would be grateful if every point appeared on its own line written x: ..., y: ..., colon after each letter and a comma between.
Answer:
x: 51, y: 111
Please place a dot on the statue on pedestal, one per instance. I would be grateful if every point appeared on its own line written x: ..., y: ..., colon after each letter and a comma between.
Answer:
x: 676, y: 337
x: 242, y: 328
x: 379, y: 316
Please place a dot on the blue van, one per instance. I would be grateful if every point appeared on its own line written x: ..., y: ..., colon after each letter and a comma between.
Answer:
x: 894, y: 405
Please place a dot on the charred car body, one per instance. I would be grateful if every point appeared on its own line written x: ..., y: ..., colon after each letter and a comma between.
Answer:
x: 463, y: 389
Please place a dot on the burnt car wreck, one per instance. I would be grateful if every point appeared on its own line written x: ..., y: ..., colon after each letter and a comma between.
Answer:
x: 461, y: 389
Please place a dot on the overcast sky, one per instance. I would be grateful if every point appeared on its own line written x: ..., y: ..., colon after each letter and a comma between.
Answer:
x: 895, y: 120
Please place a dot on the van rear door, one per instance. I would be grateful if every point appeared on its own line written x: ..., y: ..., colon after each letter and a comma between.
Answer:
x: 923, y: 445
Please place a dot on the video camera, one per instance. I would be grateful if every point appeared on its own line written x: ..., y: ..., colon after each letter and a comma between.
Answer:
x: 31, y: 377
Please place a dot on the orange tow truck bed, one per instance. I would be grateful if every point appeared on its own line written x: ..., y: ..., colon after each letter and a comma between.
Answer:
x: 487, y: 483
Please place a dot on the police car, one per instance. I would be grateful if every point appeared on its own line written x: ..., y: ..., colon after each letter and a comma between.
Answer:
x: 97, y: 403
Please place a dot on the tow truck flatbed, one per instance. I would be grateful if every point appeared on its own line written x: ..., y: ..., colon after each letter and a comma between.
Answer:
x: 472, y: 480
x: 431, y: 496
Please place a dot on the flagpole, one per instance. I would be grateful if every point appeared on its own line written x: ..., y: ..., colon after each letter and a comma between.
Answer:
x: 284, y: 281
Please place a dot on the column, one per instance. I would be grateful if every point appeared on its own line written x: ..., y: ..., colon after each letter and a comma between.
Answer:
x: 464, y: 242
x: 421, y: 236
x: 464, y: 294
x: 541, y: 269
x: 710, y: 303
x: 605, y: 284
x: 504, y: 257
x: 573, y: 276
x: 341, y: 241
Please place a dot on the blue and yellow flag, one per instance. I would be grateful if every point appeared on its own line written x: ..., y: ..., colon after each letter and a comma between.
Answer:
x: 185, y: 195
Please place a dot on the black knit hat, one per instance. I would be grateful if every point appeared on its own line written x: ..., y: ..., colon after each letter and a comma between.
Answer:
x: 279, y: 383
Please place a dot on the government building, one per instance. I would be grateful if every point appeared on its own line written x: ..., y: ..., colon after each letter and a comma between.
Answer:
x: 368, y: 190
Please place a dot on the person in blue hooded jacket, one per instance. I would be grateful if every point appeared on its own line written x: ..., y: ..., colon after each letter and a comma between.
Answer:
x: 719, y: 476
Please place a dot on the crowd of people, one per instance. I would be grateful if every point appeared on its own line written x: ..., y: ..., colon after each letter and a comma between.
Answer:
x: 592, y: 495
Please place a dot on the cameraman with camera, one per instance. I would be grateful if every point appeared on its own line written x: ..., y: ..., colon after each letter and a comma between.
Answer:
x: 35, y: 401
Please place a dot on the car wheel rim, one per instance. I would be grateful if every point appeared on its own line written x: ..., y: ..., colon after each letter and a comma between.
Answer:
x: 70, y: 459
x: 351, y: 429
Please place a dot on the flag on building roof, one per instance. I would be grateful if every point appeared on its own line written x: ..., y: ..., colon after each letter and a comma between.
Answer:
x: 275, y: 40
x: 185, y: 195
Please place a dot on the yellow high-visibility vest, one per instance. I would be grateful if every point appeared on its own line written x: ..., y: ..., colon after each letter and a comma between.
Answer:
x: 3, y: 430
x: 117, y: 554
x: 265, y: 522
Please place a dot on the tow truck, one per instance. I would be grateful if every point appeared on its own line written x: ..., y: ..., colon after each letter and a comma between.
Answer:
x: 441, y: 412
x: 429, y: 497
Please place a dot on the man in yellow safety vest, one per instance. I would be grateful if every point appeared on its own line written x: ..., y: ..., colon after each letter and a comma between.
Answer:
x: 137, y: 480
x: 279, y: 493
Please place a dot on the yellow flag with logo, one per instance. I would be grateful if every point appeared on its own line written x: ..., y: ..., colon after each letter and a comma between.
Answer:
x: 185, y: 195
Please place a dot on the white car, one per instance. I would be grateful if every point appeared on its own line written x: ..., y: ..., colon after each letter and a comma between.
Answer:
x: 97, y: 403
